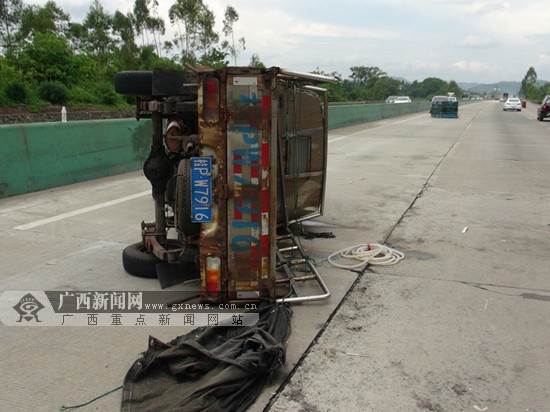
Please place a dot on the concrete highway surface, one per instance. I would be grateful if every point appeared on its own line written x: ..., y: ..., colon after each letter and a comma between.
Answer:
x: 461, y: 324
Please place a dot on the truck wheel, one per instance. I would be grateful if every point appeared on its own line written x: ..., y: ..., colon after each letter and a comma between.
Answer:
x: 134, y: 82
x: 183, y: 200
x: 138, y: 261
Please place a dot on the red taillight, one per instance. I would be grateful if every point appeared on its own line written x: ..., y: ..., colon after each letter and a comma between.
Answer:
x: 211, y: 102
x: 213, y: 274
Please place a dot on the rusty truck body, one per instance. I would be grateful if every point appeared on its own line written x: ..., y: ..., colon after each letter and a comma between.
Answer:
x: 238, y: 156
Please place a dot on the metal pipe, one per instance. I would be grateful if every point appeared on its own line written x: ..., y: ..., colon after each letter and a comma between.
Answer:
x: 160, y: 218
x: 307, y: 76
x: 297, y: 279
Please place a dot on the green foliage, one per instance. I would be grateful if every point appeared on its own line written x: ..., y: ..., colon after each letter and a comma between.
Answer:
x: 256, y: 62
x: 59, y: 60
x: 429, y: 87
x: 8, y: 72
x: 148, y: 60
x: 47, y: 19
x: 196, y: 35
x: 384, y: 87
x: 215, y: 58
x: 10, y: 20
x: 230, y: 18
x: 16, y: 91
x: 529, y: 88
x: 54, y: 92
x: 4, y: 101
x: 80, y: 95
x: 46, y: 58
x: 366, y: 76
x: 107, y: 96
x: 98, y: 25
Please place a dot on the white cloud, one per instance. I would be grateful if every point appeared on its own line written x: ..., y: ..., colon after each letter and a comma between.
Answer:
x: 475, y: 42
x: 471, y: 66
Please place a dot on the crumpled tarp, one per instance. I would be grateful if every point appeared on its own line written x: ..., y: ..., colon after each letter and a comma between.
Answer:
x: 219, y: 368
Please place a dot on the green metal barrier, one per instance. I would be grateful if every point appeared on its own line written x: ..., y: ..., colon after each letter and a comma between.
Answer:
x: 44, y: 155
x: 348, y: 115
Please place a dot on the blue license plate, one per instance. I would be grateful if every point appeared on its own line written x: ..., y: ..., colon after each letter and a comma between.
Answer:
x: 201, y: 189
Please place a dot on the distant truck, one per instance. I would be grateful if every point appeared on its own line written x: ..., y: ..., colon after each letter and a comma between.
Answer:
x: 504, y: 97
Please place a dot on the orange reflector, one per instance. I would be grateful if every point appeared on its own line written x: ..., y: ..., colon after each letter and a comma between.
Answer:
x: 213, y: 274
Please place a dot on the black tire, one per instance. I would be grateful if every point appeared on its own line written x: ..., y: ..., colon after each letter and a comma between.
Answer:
x: 183, y: 201
x: 138, y: 261
x: 134, y: 82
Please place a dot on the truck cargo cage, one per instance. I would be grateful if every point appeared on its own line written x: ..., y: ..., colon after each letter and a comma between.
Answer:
x: 294, y: 268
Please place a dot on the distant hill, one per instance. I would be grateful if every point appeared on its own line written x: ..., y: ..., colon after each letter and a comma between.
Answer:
x: 500, y: 87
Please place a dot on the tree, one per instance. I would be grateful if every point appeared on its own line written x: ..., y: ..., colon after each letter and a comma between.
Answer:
x: 146, y: 22
x: 429, y: 87
x: 10, y: 18
x: 384, y: 87
x: 98, y: 25
x: 196, y: 37
x: 47, y: 58
x: 207, y: 40
x: 529, y: 87
x: 256, y: 62
x: 127, y: 48
x: 47, y: 19
x: 185, y: 14
x: 366, y: 76
x: 454, y: 88
x: 230, y: 18
x: 531, y: 76
x: 336, y: 91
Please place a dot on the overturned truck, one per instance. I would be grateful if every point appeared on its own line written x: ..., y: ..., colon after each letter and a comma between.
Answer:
x: 238, y: 159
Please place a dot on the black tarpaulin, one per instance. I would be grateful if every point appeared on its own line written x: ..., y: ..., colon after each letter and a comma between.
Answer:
x: 218, y: 368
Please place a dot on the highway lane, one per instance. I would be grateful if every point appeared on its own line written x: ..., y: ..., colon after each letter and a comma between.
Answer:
x: 379, y: 176
x: 463, y: 322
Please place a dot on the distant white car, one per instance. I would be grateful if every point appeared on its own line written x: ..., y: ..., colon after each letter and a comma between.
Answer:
x: 403, y: 99
x: 512, y: 103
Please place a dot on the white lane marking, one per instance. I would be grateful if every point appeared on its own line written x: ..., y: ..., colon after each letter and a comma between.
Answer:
x: 375, y: 128
x: 62, y: 216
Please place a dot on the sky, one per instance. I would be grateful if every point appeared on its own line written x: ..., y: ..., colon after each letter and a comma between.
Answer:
x: 480, y: 41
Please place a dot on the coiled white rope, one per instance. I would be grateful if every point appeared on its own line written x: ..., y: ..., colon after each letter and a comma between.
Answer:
x: 369, y: 253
